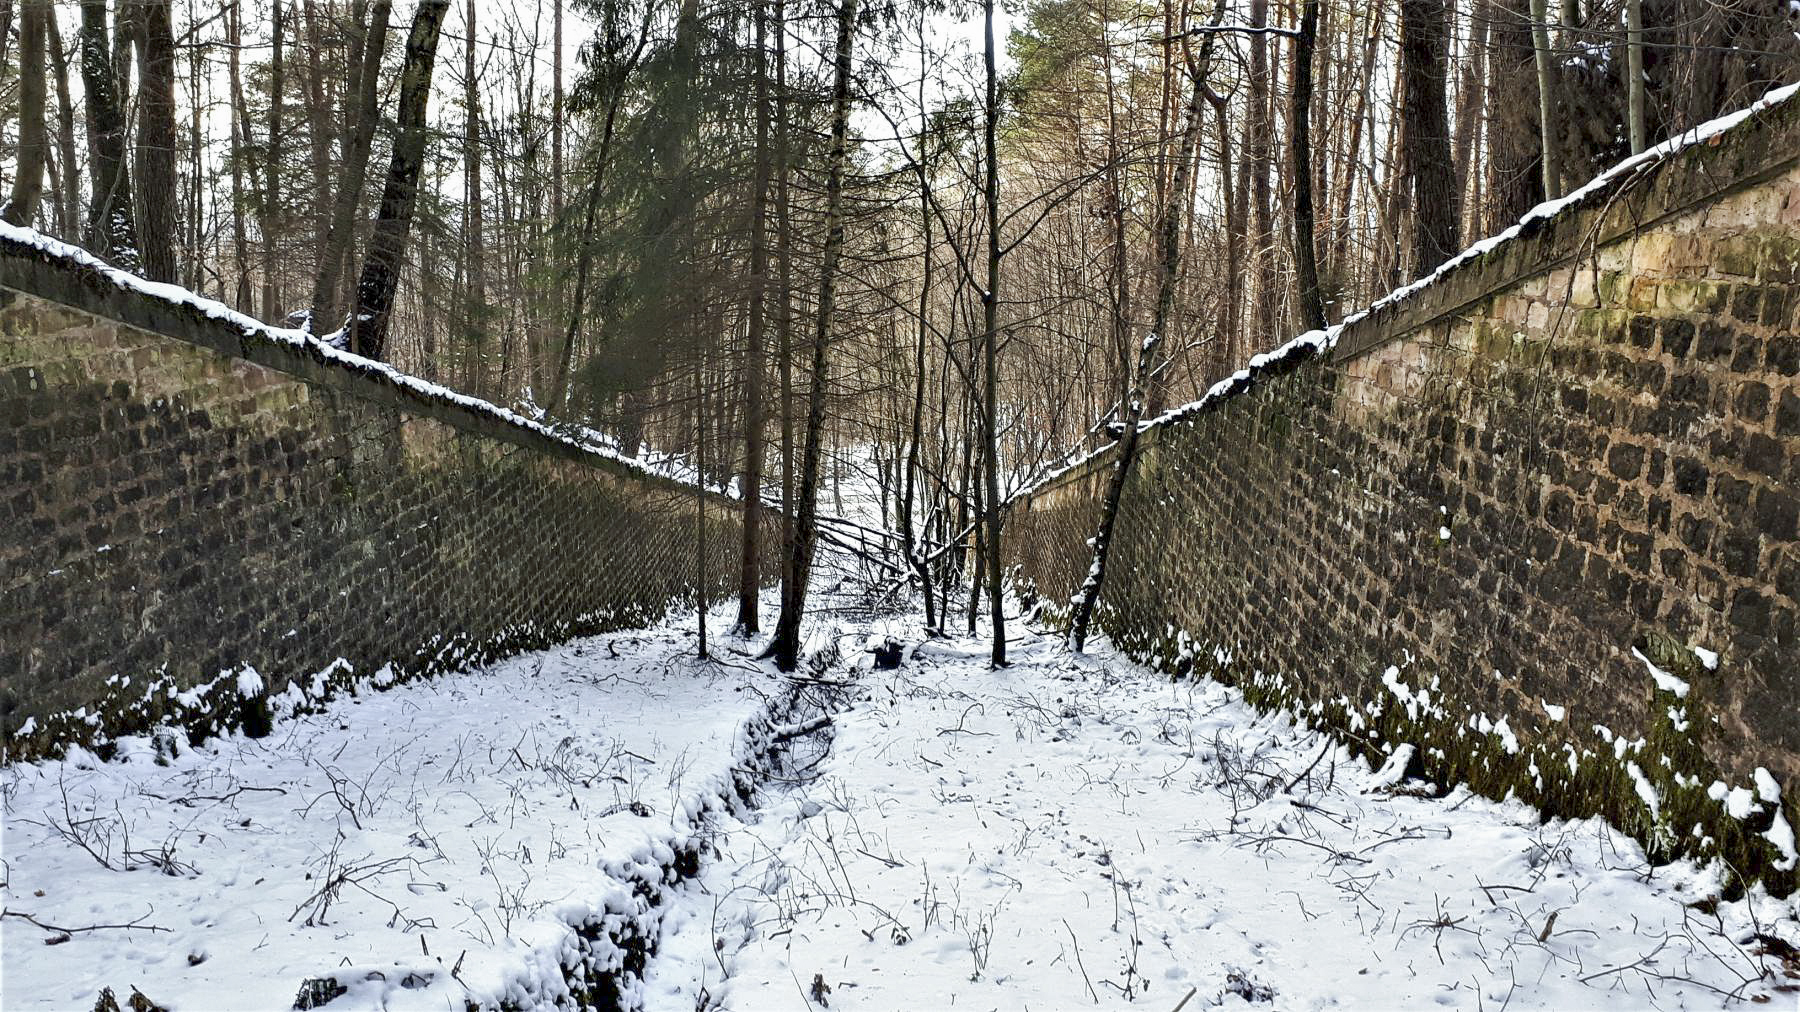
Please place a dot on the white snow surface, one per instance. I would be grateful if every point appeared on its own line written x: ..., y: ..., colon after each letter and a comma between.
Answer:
x: 1077, y: 831
x: 473, y: 817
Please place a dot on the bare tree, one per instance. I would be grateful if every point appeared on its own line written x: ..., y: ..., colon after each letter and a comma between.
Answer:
x: 369, y: 318
x: 784, y: 646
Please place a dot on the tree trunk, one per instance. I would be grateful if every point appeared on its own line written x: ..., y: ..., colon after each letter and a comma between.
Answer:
x: 1469, y: 113
x: 990, y: 344
x: 1634, y: 75
x: 1515, y: 177
x: 318, y: 146
x: 475, y: 243
x: 909, y: 497
x: 111, y: 224
x: 584, y: 261
x: 155, y: 151
x: 271, y: 197
x: 1168, y: 271
x: 1259, y: 158
x: 750, y: 556
x: 701, y: 598
x: 1306, y: 263
x: 1546, y: 81
x: 368, y: 324
x: 28, y: 181
x: 367, y: 45
x: 785, y: 645
x: 68, y: 200
x: 1425, y: 156
x: 784, y: 291
x: 240, y: 144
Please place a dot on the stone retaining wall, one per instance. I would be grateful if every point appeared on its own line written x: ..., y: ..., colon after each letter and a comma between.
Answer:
x: 185, y: 501
x: 1476, y: 521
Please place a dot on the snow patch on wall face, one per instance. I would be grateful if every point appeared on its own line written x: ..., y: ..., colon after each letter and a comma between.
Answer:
x: 1664, y: 681
x: 1645, y: 789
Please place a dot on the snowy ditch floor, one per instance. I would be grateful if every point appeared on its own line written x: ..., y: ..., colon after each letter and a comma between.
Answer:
x: 1072, y: 832
x: 476, y: 837
x: 1065, y: 833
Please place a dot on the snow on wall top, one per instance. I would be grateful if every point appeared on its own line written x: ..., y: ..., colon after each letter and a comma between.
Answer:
x: 1314, y: 341
x: 16, y: 241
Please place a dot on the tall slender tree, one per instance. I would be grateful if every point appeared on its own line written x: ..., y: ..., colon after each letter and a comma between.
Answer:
x: 370, y: 315
x: 784, y: 646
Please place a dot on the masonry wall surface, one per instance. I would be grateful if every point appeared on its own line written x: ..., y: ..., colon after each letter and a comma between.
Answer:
x: 183, y: 501
x: 1469, y: 525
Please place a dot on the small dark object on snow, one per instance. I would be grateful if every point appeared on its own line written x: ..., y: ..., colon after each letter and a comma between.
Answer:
x: 138, y: 1002
x: 317, y: 992
x: 820, y: 989
x: 1250, y: 989
x: 887, y: 655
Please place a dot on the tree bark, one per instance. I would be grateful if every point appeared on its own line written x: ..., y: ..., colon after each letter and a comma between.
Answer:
x: 68, y: 198
x: 111, y: 223
x: 240, y: 145
x: 990, y: 345
x: 1515, y: 177
x: 784, y: 292
x: 271, y: 197
x: 367, y: 45
x: 785, y: 645
x: 474, y: 242
x: 750, y: 554
x: 1634, y: 75
x: 1306, y: 263
x: 1546, y: 79
x: 155, y: 150
x: 1259, y: 159
x: 1425, y: 156
x: 28, y: 181
x: 369, y: 320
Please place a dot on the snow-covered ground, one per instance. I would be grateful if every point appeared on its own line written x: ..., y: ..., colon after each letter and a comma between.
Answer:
x: 1072, y: 832
x: 1064, y: 833
x: 436, y: 841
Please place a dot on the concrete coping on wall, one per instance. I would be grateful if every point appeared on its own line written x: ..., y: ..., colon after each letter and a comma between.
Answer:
x: 38, y: 265
x: 1721, y: 156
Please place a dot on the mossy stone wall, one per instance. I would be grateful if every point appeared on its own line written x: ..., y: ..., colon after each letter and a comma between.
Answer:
x: 1468, y: 525
x: 181, y: 501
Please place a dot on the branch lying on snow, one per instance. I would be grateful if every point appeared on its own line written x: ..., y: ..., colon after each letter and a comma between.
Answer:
x: 788, y: 732
x: 57, y: 929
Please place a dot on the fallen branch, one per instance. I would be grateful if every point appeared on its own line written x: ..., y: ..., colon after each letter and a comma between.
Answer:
x: 59, y: 929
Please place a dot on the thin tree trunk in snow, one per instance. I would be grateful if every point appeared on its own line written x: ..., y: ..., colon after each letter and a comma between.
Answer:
x: 785, y: 646
x: 1169, y: 235
x: 750, y: 556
